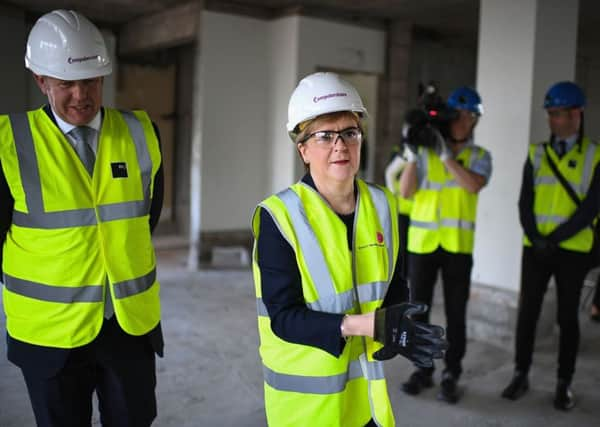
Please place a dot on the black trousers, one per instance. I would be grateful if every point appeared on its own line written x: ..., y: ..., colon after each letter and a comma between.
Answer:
x: 596, y: 300
x: 403, y: 224
x: 569, y: 270
x: 456, y: 280
x: 118, y: 366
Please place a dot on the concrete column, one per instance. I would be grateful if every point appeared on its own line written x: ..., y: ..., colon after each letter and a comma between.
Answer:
x: 196, y: 150
x: 393, y: 94
x: 524, y: 47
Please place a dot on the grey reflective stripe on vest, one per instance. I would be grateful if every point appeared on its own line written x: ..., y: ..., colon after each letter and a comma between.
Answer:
x: 588, y: 169
x: 370, y: 292
x: 135, y: 286
x: 322, y: 384
x: 458, y: 223
x: 123, y: 210
x: 383, y: 213
x: 311, y: 250
x: 553, y: 219
x: 261, y: 308
x: 61, y: 294
x: 424, y: 224
x: 30, y: 179
x: 51, y: 220
x: 430, y: 185
x: 143, y: 155
x: 67, y: 294
x: 545, y: 180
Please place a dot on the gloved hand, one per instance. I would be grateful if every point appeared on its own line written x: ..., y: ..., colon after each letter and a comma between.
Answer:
x: 543, y: 248
x: 417, y: 341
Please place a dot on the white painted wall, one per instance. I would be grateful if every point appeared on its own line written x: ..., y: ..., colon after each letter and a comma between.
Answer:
x: 338, y: 46
x: 335, y: 45
x: 235, y: 119
x: 282, y: 46
x: 515, y: 66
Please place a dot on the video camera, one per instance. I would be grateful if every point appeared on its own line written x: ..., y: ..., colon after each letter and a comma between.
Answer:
x: 432, y: 116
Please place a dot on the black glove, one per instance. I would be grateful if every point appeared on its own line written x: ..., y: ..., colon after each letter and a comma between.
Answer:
x: 417, y: 341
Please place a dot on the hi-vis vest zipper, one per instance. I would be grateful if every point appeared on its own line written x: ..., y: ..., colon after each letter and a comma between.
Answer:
x: 443, y: 213
x: 552, y: 205
x: 72, y: 234
x: 306, y: 386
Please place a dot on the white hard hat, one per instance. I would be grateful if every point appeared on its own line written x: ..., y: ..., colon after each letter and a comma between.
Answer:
x: 321, y: 93
x: 66, y: 45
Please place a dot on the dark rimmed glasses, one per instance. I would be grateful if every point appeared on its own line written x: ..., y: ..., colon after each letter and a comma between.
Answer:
x: 327, y: 138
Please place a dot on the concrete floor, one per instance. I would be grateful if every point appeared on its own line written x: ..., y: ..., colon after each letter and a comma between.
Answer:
x: 211, y: 374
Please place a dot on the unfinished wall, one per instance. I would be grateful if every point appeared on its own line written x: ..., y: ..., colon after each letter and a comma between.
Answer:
x: 235, y: 119
x: 13, y: 84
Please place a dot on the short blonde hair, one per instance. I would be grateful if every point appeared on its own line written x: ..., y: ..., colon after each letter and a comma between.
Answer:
x: 306, y: 127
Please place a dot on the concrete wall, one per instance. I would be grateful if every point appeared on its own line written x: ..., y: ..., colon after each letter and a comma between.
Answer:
x: 251, y: 68
x: 449, y: 63
x: 13, y: 84
x: 282, y: 46
x: 346, y: 48
x: 235, y: 61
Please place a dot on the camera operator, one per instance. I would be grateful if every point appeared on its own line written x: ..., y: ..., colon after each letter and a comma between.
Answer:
x: 444, y: 173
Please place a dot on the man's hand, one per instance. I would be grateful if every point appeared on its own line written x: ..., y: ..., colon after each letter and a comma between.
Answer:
x: 417, y: 341
x: 410, y: 153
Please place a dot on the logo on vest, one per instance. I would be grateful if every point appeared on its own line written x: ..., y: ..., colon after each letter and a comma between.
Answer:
x: 119, y: 169
x: 378, y: 243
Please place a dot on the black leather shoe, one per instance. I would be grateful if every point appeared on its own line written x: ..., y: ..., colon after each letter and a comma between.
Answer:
x: 417, y: 381
x: 517, y: 388
x: 564, y: 400
x: 448, y: 388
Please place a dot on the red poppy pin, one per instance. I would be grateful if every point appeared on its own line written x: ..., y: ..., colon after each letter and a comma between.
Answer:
x: 379, y: 237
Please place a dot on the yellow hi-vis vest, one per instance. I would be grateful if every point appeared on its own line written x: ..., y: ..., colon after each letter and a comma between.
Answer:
x: 404, y: 204
x: 71, y: 234
x: 443, y: 213
x: 303, y: 385
x: 552, y: 204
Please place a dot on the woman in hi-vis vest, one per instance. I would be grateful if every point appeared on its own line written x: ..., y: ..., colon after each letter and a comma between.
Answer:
x: 328, y: 287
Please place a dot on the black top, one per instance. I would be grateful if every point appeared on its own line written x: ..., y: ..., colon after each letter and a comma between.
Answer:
x: 581, y: 218
x: 291, y: 319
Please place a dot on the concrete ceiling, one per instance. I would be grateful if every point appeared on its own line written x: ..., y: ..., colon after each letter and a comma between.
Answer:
x: 443, y: 17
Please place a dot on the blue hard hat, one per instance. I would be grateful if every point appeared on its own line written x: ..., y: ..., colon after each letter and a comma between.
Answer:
x: 465, y: 98
x: 564, y: 95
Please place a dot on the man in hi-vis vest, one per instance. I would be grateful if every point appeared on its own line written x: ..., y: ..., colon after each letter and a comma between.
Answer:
x: 444, y: 182
x: 80, y: 191
x: 558, y: 207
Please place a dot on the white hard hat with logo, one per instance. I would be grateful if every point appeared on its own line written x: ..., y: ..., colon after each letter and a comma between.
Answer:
x: 65, y: 45
x: 321, y: 93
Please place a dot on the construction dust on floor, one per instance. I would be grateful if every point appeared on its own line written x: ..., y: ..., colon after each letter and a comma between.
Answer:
x: 211, y: 373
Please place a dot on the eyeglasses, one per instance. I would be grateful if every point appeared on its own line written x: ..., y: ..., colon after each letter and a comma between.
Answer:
x: 327, y: 138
